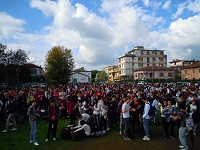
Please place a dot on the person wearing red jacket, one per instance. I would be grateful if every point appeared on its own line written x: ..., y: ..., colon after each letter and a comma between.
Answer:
x: 53, y: 112
x: 71, y: 107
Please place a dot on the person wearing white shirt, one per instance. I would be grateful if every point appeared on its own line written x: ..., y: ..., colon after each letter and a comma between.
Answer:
x: 193, y: 108
x: 83, y: 127
x: 126, y: 116
x: 146, y: 118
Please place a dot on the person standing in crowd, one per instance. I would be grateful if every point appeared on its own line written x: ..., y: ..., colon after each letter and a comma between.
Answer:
x: 182, y: 130
x: 170, y: 110
x: 155, y: 104
x: 71, y: 107
x: 112, y: 111
x: 146, y: 118
x: 11, y: 110
x: 126, y: 116
x: 163, y: 108
x: 32, y: 114
x: 53, y: 112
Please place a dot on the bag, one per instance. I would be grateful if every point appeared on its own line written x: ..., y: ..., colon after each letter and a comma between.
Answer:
x: 189, y: 122
x: 65, y: 134
x: 76, y: 137
x: 152, y: 110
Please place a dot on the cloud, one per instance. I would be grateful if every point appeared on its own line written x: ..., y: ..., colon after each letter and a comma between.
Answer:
x: 180, y: 40
x: 166, y: 4
x: 47, y: 7
x: 146, y: 2
x: 194, y: 6
x: 180, y: 10
x: 9, y: 25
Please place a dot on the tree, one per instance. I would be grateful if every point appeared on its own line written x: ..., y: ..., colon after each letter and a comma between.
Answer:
x: 58, y: 66
x: 24, y: 74
x: 102, y: 76
x: 94, y: 74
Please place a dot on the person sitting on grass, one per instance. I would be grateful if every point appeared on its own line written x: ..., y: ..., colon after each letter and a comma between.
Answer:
x: 83, y: 129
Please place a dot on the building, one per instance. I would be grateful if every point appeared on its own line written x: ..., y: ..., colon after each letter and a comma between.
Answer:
x: 191, y: 72
x: 81, y: 76
x: 154, y: 72
x: 138, y: 58
x: 35, y: 70
x: 112, y: 72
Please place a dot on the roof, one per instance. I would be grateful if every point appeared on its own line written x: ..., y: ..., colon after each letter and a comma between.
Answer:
x: 177, y: 60
x: 155, y: 68
x: 32, y: 66
x: 194, y: 65
x: 79, y: 73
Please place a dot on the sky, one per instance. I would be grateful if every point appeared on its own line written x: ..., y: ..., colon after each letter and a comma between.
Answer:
x: 100, y: 31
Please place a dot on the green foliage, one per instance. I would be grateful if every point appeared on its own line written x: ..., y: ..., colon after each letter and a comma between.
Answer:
x: 102, y: 76
x: 94, y: 74
x: 58, y: 66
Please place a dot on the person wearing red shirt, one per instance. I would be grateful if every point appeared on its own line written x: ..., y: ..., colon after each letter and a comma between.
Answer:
x: 71, y: 111
x: 53, y: 112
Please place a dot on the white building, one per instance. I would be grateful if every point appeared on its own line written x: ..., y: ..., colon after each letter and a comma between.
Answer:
x: 139, y: 58
x: 81, y: 76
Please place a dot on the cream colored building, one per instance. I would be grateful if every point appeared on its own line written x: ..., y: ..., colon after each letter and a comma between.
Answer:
x: 112, y: 72
x: 138, y: 58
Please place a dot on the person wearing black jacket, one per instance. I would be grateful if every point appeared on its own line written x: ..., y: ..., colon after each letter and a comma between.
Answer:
x: 11, y: 110
x: 53, y: 112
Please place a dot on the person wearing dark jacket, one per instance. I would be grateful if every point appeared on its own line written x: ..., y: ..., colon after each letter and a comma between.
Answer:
x: 53, y: 112
x: 32, y: 114
x: 11, y: 110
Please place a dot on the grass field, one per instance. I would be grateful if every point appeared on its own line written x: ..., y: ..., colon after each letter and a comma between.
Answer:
x: 19, y: 140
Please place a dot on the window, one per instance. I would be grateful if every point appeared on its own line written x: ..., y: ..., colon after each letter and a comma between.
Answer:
x: 161, y: 53
x: 141, y: 52
x: 136, y: 75
x: 148, y: 59
x: 148, y: 53
x: 193, y: 71
x: 154, y: 59
x: 170, y: 74
x: 185, y: 72
x: 199, y: 70
x: 155, y: 53
x: 161, y: 74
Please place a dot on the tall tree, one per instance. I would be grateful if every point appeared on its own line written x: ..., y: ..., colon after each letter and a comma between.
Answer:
x: 102, y: 76
x: 94, y: 74
x: 58, y: 66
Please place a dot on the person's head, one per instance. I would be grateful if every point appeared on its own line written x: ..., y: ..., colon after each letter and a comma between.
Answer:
x: 165, y: 102
x: 143, y: 98
x: 169, y: 103
x: 128, y: 99
x: 182, y: 105
x: 193, y: 102
x: 10, y: 98
x: 34, y: 103
x: 52, y: 102
x: 79, y: 116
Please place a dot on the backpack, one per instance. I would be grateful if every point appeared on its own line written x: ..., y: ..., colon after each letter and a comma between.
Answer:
x: 189, y: 122
x: 65, y: 134
x: 152, y: 110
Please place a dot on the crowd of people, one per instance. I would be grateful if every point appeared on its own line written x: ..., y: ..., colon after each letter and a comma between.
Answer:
x: 100, y: 106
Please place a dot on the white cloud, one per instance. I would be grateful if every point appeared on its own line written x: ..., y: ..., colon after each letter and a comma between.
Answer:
x: 166, y: 4
x: 146, y: 2
x: 180, y: 9
x: 9, y: 25
x: 181, y: 40
x: 194, y: 6
x: 47, y: 6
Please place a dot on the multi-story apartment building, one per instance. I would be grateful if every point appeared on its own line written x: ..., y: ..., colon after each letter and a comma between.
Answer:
x: 138, y: 58
x: 112, y: 72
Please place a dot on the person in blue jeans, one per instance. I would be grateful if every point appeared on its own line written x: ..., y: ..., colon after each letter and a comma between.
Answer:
x: 146, y: 118
x: 182, y: 130
x: 32, y: 114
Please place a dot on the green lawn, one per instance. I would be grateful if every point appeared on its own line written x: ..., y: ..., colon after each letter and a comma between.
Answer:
x: 19, y: 140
